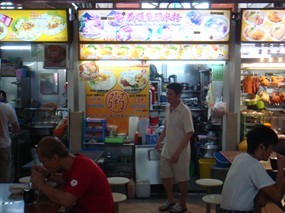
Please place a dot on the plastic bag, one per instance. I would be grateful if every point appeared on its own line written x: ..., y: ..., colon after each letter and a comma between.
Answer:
x: 219, y: 109
x: 59, y: 129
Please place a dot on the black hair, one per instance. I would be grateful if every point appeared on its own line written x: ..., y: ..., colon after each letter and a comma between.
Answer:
x: 177, y: 87
x: 260, y: 134
x: 3, y: 93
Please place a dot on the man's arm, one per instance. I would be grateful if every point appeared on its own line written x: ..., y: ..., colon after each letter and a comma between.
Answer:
x: 276, y: 191
x: 185, y: 141
x: 62, y: 198
x: 160, y: 139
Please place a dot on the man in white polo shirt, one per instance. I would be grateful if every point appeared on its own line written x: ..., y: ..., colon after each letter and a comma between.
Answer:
x: 7, y: 117
x: 175, y: 155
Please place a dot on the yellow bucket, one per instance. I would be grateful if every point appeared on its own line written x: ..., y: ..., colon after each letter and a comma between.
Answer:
x: 205, y: 165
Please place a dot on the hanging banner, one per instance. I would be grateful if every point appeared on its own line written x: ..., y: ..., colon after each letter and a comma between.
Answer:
x: 154, y: 25
x: 116, y: 93
x: 33, y: 25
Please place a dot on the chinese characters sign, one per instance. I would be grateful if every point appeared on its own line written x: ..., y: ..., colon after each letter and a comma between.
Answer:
x: 116, y: 93
x: 154, y: 25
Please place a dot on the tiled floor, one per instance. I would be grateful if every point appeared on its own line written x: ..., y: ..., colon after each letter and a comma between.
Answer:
x: 194, y: 204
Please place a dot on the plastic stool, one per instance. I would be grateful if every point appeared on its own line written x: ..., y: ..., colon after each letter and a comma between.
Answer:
x: 212, y: 199
x: 208, y: 183
x: 117, y: 198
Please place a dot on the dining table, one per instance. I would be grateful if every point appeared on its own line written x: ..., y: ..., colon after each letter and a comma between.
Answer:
x: 230, y: 156
x: 14, y: 203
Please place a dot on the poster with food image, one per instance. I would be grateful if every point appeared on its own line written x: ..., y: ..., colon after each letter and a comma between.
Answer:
x: 125, y: 25
x: 55, y: 56
x: 128, y: 96
x: 3, y: 31
x: 53, y: 23
x: 133, y: 81
x: 104, y: 81
x: 88, y: 70
x: 154, y: 51
x: 264, y: 25
x: 88, y: 51
x: 33, y: 25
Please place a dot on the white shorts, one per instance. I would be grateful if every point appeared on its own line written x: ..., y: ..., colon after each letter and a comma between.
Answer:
x: 179, y: 170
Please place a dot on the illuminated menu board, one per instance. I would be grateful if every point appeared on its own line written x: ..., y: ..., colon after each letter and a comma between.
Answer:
x: 154, y: 25
x: 116, y: 93
x: 154, y: 51
x: 33, y: 26
x: 263, y: 25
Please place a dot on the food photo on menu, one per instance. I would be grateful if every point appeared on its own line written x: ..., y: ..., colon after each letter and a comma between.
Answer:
x: 30, y: 29
x: 133, y: 81
x: 263, y: 25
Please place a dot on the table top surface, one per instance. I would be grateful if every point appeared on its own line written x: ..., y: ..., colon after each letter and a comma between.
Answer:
x: 230, y: 156
x: 209, y: 182
x: 118, y: 180
x: 14, y: 202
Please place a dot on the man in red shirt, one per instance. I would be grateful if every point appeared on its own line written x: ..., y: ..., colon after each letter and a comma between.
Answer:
x: 86, y: 186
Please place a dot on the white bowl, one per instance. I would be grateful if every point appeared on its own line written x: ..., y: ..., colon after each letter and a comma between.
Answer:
x: 26, y: 179
x: 17, y: 188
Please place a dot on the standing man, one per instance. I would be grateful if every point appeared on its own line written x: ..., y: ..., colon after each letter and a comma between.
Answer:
x: 175, y: 155
x: 86, y: 186
x: 247, y: 177
x: 7, y: 117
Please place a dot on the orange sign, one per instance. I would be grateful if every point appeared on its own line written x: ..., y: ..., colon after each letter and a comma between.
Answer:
x: 117, y: 93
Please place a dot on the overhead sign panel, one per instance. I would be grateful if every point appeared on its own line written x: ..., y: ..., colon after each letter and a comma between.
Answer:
x: 33, y: 26
x: 263, y: 25
x: 154, y: 25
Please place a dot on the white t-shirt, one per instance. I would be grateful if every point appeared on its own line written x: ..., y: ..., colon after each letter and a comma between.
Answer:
x: 178, y: 123
x: 245, y: 178
x: 7, y: 116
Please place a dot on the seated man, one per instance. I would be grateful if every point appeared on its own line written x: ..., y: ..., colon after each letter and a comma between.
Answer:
x: 247, y: 177
x: 86, y: 186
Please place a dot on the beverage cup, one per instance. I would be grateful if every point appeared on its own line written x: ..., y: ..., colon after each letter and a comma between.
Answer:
x: 273, y: 163
x: 31, y: 196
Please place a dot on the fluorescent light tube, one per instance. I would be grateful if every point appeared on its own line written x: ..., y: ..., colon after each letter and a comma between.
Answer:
x: 15, y: 47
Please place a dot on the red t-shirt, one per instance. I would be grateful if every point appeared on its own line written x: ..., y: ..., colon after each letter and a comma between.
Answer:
x: 87, y: 181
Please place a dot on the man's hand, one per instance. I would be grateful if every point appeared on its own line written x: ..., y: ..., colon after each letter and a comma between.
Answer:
x: 174, y: 158
x: 37, y: 178
x: 41, y: 170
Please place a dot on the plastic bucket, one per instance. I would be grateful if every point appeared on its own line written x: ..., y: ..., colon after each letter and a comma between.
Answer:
x: 205, y: 165
x: 221, y: 161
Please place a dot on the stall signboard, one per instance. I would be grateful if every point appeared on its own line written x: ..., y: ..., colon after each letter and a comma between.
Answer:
x: 33, y: 26
x: 116, y: 93
x: 154, y: 25
x: 263, y: 25
x: 154, y: 52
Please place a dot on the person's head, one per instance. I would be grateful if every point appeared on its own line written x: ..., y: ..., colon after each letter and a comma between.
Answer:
x: 3, y: 97
x: 261, y: 138
x: 173, y: 93
x: 50, y: 151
